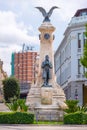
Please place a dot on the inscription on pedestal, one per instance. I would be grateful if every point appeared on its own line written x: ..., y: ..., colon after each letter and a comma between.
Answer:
x: 46, y: 96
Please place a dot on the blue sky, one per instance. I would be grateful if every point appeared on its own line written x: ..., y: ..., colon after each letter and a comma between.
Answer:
x: 19, y: 22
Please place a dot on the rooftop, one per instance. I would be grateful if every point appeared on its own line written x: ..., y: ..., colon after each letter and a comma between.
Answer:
x: 79, y: 17
x: 81, y: 12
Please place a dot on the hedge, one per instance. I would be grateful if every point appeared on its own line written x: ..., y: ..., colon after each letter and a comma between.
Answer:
x: 75, y: 118
x: 16, y: 118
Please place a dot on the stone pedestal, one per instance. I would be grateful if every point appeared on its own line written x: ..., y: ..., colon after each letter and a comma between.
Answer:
x: 48, y: 114
x: 45, y: 99
x: 46, y: 95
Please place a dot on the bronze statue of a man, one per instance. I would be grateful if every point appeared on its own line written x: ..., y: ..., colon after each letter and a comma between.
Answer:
x: 46, y: 66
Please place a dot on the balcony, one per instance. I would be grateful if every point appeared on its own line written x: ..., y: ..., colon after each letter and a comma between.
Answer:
x: 80, y: 19
x: 80, y: 77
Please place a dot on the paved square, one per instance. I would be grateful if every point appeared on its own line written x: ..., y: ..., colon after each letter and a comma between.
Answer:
x: 28, y: 127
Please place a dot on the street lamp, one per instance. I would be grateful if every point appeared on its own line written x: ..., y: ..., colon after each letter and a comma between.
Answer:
x: 76, y: 94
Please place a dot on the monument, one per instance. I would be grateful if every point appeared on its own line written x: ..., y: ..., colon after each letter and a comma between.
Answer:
x: 46, y: 98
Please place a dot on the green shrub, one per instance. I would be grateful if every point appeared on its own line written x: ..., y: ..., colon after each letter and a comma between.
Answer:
x: 75, y: 118
x: 18, y: 105
x: 82, y: 108
x: 72, y: 106
x: 13, y: 106
x: 22, y: 105
x: 11, y: 88
x: 16, y: 118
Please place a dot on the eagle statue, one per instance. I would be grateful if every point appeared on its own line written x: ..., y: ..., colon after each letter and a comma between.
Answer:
x: 45, y: 14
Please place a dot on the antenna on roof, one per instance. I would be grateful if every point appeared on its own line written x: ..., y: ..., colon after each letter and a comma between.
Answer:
x: 25, y: 48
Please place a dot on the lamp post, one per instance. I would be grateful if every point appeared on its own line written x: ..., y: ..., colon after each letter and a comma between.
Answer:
x: 76, y: 94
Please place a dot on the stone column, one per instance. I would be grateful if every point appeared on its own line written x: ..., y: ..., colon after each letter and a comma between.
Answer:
x: 48, y: 98
x: 46, y: 45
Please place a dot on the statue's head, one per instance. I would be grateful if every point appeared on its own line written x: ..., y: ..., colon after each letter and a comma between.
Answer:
x: 47, y: 57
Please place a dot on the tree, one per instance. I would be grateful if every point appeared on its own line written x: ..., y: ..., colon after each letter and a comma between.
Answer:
x: 11, y: 89
x: 83, y: 59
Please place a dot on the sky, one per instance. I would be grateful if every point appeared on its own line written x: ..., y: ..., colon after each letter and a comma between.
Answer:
x: 20, y: 20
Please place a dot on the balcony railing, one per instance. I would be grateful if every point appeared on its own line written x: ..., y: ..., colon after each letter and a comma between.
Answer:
x: 76, y: 20
x: 79, y: 50
x: 80, y: 76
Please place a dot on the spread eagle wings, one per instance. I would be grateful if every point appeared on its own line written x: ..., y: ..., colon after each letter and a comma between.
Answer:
x: 51, y: 10
x: 42, y: 10
x: 44, y: 13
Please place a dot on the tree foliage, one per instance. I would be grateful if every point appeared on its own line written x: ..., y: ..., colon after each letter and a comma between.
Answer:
x: 11, y: 88
x: 84, y: 57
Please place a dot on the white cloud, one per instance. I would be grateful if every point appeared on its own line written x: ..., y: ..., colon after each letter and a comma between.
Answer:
x: 5, y: 55
x: 12, y: 35
x: 67, y: 7
x: 12, y: 32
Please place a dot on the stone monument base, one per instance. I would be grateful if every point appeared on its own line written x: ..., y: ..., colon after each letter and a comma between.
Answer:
x: 48, y: 113
x: 47, y: 103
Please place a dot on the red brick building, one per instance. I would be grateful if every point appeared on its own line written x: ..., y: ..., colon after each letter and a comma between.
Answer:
x: 23, y: 68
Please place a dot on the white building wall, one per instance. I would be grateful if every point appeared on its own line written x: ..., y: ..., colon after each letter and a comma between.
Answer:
x: 66, y: 62
x: 73, y: 56
x: 76, y: 53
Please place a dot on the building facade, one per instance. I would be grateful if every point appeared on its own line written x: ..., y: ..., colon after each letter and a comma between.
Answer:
x: 3, y: 75
x: 23, y: 68
x: 68, y: 69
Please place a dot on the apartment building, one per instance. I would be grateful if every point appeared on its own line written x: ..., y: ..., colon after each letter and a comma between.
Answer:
x: 23, y: 68
x: 68, y: 69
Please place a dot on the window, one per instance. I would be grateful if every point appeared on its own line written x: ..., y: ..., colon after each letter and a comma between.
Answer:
x: 83, y: 13
x: 79, y: 40
x: 79, y: 67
